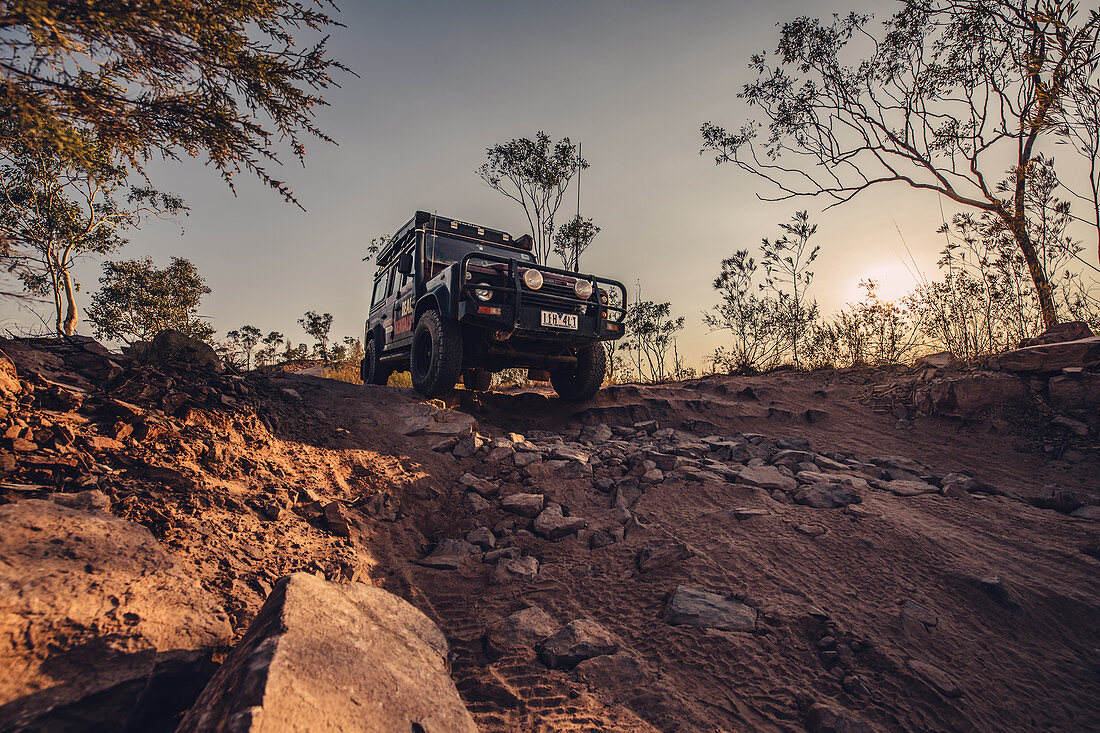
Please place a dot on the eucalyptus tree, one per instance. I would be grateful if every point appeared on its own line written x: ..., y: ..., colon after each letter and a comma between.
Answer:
x: 54, y: 212
x: 228, y: 82
x: 941, y: 97
x: 535, y: 174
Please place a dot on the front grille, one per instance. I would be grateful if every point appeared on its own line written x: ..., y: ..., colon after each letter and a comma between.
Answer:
x: 538, y: 298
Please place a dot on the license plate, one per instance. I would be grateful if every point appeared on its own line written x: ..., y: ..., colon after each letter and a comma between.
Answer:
x: 559, y: 320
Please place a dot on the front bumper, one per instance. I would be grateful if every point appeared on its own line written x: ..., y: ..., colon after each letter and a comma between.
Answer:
x: 527, y: 324
x: 516, y: 310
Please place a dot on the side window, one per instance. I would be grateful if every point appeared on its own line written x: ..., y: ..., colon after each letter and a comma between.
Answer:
x: 379, y: 290
x: 389, y: 279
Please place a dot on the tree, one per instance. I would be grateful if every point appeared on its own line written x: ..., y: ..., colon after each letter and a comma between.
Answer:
x: 651, y: 332
x: 938, y: 100
x: 318, y: 326
x: 172, y: 78
x: 269, y: 353
x: 752, y: 321
x: 572, y: 239
x: 55, y: 213
x: 245, y: 338
x: 535, y: 174
x: 786, y: 260
x: 136, y: 300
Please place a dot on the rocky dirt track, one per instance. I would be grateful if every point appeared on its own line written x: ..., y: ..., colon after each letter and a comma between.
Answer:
x: 768, y: 553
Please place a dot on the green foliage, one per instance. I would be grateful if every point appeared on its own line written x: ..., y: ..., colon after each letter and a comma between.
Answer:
x: 535, y: 174
x: 572, y: 240
x: 766, y: 329
x: 54, y: 213
x: 172, y: 78
x: 318, y: 326
x: 984, y: 302
x: 136, y: 300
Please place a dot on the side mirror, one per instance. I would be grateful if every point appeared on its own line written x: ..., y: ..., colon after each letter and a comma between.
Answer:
x: 405, y: 264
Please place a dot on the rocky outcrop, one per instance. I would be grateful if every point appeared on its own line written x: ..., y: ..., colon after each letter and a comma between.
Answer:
x: 321, y: 656
x: 1051, y: 357
x: 97, y: 623
x: 174, y: 347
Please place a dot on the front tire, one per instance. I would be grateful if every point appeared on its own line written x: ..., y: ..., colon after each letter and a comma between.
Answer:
x: 371, y: 370
x: 581, y: 381
x: 436, y: 359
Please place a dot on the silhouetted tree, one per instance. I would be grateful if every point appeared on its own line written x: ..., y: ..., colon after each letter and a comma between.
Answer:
x: 937, y: 100
x: 572, y: 239
x: 318, y: 326
x: 535, y: 174
x: 245, y: 338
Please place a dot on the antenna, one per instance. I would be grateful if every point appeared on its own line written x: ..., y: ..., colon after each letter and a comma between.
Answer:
x: 577, y: 231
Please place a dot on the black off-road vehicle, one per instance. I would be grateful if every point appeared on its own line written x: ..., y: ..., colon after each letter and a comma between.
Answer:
x: 453, y: 300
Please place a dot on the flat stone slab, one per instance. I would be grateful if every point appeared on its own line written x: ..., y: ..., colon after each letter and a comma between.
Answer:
x: 909, y: 488
x: 766, y: 477
x: 526, y: 505
x: 1051, y: 357
x: 695, y: 607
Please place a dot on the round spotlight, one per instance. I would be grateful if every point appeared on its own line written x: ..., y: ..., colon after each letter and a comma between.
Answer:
x: 483, y: 294
x: 583, y: 289
x: 532, y: 279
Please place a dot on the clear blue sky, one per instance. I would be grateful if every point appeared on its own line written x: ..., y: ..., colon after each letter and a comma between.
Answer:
x: 441, y: 81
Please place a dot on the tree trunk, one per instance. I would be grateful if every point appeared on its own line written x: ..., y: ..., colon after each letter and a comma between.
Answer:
x: 68, y: 326
x: 1038, y: 274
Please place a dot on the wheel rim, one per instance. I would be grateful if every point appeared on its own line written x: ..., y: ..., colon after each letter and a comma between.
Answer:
x: 422, y: 354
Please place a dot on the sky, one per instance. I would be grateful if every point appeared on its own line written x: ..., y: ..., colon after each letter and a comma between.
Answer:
x: 439, y: 82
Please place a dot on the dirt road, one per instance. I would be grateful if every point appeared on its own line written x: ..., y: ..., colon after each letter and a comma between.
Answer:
x: 906, y: 612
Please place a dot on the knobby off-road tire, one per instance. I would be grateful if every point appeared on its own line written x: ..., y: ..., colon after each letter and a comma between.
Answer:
x: 477, y: 380
x: 436, y: 358
x: 372, y: 371
x: 583, y: 380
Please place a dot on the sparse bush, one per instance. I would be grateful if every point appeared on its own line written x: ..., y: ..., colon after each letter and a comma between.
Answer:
x: 650, y: 334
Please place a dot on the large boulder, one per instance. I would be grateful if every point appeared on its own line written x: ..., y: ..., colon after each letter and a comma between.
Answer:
x: 973, y: 393
x: 170, y: 346
x: 321, y: 656
x: 98, y: 625
x: 1051, y: 357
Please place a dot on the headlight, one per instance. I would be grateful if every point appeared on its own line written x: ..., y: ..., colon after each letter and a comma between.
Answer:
x: 603, y: 297
x: 532, y: 279
x: 583, y: 289
x: 483, y: 294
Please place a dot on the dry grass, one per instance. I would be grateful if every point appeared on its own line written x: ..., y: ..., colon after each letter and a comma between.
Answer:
x: 349, y: 372
x: 400, y: 379
x: 346, y: 372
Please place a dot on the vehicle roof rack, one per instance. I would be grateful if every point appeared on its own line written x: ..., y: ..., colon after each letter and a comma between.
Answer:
x: 444, y: 226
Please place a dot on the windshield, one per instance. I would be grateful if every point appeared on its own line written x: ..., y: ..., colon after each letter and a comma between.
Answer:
x: 440, y: 250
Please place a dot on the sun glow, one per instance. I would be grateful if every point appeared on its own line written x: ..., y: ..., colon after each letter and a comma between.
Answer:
x: 894, y: 282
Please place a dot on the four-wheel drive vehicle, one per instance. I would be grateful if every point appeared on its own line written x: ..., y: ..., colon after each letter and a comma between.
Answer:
x: 454, y: 299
